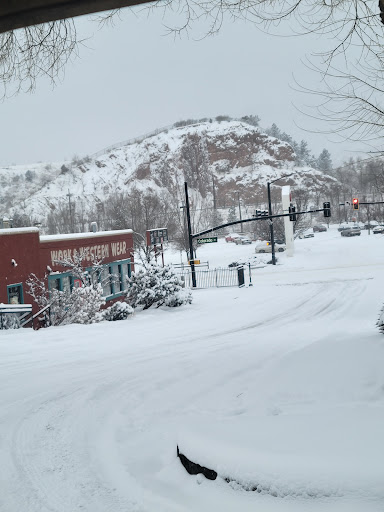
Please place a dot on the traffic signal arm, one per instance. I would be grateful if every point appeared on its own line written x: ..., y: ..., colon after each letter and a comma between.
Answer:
x: 263, y: 217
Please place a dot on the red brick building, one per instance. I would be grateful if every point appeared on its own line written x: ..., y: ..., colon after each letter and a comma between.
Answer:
x: 23, y: 252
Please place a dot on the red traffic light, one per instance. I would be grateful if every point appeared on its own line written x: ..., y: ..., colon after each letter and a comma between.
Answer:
x: 355, y: 203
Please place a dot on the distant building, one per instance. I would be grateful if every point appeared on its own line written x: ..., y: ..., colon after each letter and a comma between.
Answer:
x: 23, y: 252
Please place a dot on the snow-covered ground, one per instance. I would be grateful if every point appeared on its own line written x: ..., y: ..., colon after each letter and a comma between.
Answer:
x: 278, y: 387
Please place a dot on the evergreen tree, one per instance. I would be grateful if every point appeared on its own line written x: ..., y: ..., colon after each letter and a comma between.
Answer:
x: 232, y: 214
x: 324, y: 162
x: 304, y: 152
x: 217, y: 220
x: 274, y: 131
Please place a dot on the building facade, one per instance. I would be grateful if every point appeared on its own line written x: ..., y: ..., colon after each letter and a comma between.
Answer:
x: 24, y: 252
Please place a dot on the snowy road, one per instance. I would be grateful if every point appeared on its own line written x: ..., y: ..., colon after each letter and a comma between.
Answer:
x: 281, y: 385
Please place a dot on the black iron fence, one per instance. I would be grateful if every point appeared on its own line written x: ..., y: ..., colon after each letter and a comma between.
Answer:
x: 214, y: 278
x: 219, y: 277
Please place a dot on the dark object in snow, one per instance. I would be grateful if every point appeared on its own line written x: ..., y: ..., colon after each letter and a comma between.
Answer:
x: 195, y: 469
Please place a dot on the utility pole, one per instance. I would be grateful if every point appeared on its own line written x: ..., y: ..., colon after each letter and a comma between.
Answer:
x: 238, y: 199
x: 190, y: 239
x: 214, y: 192
x: 71, y: 226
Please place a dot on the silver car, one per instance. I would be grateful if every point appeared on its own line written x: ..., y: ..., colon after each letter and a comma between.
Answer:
x: 267, y: 247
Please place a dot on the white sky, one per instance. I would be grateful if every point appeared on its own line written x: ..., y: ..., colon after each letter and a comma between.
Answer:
x: 132, y: 78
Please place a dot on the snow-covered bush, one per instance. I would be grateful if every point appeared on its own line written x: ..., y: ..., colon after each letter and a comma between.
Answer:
x: 10, y: 321
x: 84, y: 304
x: 380, y: 321
x: 118, y: 311
x: 157, y: 286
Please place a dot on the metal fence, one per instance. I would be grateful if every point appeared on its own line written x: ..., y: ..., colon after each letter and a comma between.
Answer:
x: 219, y: 277
x: 214, y: 278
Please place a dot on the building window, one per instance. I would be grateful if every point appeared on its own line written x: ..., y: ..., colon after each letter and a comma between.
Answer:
x: 15, y: 294
x: 106, y: 281
x: 60, y: 282
x: 114, y: 278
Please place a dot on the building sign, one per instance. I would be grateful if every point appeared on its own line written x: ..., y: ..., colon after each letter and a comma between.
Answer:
x: 209, y: 240
x: 91, y: 253
x: 157, y: 236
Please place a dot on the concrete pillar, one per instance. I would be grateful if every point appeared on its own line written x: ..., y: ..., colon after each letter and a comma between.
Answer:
x: 288, y: 225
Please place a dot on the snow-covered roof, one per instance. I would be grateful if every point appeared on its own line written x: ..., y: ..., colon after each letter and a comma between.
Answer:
x: 18, y: 231
x: 77, y: 236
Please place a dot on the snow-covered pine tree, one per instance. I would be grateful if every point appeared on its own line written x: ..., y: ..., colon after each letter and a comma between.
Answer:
x: 232, y: 216
x: 156, y: 286
x: 324, y: 162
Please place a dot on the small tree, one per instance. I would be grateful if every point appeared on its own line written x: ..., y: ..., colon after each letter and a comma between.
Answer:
x: 81, y: 305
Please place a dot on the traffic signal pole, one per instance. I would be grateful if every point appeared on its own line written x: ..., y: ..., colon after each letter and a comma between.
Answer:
x: 190, y: 237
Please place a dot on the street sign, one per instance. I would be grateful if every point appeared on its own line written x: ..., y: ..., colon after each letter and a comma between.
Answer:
x: 157, y: 236
x: 195, y: 262
x: 207, y: 240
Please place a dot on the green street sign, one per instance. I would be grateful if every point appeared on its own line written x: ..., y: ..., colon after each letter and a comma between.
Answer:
x: 207, y: 240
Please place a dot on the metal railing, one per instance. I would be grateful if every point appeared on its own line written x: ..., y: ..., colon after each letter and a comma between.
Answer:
x: 218, y: 277
x: 214, y: 278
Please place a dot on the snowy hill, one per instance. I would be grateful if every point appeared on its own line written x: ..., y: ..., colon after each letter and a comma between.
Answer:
x: 237, y: 156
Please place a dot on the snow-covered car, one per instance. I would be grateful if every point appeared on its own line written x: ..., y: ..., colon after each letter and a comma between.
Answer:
x: 371, y: 224
x: 378, y: 229
x: 344, y: 226
x: 352, y: 231
x: 267, y: 247
x: 230, y: 237
x: 242, y: 240
x: 306, y: 235
x: 319, y: 228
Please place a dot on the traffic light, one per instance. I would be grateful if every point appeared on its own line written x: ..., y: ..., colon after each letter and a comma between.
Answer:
x: 327, y: 209
x: 292, y: 210
x: 355, y: 203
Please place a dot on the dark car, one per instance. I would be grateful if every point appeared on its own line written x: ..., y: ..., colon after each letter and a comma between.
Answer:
x: 354, y: 231
x: 319, y: 228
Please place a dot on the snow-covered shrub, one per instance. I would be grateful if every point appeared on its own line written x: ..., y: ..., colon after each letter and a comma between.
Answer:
x: 156, y: 286
x: 84, y: 304
x: 10, y: 321
x: 118, y: 311
x: 380, y: 321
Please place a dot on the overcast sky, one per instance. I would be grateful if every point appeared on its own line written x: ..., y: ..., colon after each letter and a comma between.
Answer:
x: 132, y: 78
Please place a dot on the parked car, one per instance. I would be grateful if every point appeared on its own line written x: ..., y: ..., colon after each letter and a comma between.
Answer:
x: 319, y: 228
x: 371, y: 224
x: 231, y: 237
x: 264, y: 246
x: 242, y: 240
x: 306, y: 235
x: 344, y: 226
x: 353, y: 231
x: 378, y: 229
